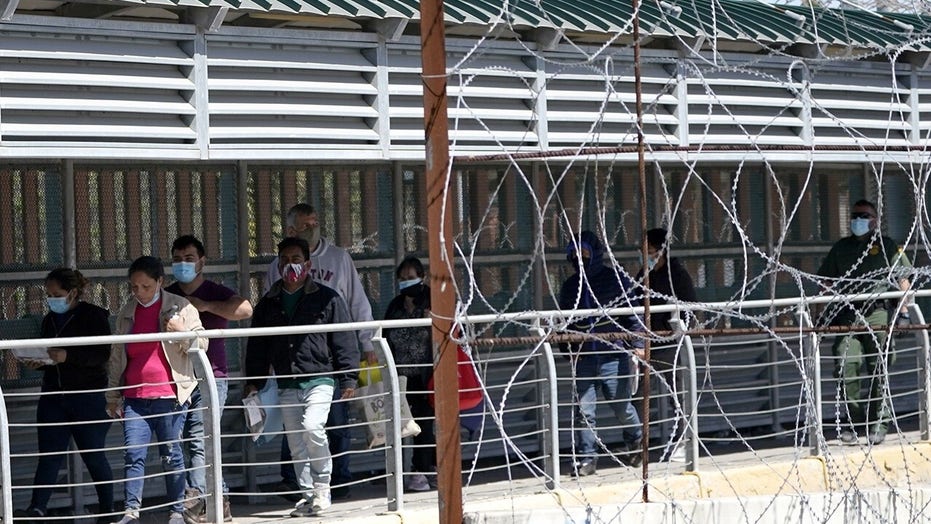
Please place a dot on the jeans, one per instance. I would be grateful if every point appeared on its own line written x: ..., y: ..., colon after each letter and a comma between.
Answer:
x: 863, y: 357
x: 340, y: 439
x: 60, y: 410
x: 193, y: 434
x: 340, y: 443
x: 304, y: 412
x: 601, y: 371
x: 143, y: 418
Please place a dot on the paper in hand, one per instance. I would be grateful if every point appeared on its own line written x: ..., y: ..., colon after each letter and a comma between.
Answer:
x: 255, y: 415
x: 34, y: 354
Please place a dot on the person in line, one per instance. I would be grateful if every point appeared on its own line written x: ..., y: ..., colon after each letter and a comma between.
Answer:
x: 412, y: 349
x: 333, y: 267
x: 151, y: 383
x: 670, y: 282
x: 600, y: 364
x: 72, y: 404
x: 309, y: 367
x: 864, y: 262
x: 217, y: 305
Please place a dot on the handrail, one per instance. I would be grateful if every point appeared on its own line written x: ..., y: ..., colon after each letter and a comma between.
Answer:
x: 924, y: 373
x: 546, y: 371
x: 690, y: 407
x: 426, y: 322
x: 6, y: 471
x: 811, y: 359
x: 394, y: 458
x: 550, y: 446
x: 213, y: 452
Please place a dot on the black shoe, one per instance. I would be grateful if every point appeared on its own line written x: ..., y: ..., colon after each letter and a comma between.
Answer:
x: 29, y: 513
x: 291, y: 491
x: 584, y: 469
x: 340, y: 493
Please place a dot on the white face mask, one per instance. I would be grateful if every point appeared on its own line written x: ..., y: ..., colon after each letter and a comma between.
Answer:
x: 859, y: 226
x: 155, y: 298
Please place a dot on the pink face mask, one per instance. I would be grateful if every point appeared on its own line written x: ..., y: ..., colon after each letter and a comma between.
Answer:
x: 293, y: 272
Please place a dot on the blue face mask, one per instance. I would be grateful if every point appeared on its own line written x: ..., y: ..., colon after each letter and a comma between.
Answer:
x: 58, y: 304
x: 184, y: 272
x: 859, y: 226
x: 649, y: 262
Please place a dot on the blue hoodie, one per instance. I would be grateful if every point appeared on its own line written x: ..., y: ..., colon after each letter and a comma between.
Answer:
x: 602, y: 287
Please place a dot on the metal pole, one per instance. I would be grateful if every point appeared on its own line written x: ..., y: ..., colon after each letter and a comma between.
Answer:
x: 641, y: 168
x: 394, y: 458
x: 68, y: 217
x: 549, y: 418
x: 214, y: 451
x: 811, y: 346
x: 439, y: 226
x: 6, y: 472
x: 924, y: 377
x: 690, y: 398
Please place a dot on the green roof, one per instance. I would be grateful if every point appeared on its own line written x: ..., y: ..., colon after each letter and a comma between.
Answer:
x: 739, y: 20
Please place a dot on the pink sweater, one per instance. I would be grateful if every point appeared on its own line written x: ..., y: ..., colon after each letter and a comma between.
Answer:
x: 146, y: 364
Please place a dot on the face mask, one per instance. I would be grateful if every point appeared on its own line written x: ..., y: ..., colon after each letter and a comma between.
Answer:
x: 158, y: 294
x: 185, y: 272
x: 860, y: 226
x: 650, y: 263
x: 293, y: 272
x: 410, y: 287
x: 58, y: 304
x: 311, y: 235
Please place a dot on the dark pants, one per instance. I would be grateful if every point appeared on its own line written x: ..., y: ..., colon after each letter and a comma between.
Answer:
x: 424, y: 454
x: 63, y: 410
x: 340, y: 443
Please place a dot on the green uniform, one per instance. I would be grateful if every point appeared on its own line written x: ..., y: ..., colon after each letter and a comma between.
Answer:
x: 862, y: 266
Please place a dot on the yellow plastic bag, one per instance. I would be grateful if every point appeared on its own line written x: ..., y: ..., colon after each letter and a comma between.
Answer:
x: 369, y: 373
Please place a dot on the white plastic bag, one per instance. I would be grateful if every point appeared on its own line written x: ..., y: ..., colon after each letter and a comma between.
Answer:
x: 372, y: 402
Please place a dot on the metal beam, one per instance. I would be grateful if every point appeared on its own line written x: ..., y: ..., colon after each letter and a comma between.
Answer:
x: 7, y: 8
x: 96, y: 11
x: 391, y: 29
x: 547, y: 38
x: 207, y: 18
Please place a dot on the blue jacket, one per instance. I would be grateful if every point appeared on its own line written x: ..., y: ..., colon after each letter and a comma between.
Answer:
x: 597, y: 286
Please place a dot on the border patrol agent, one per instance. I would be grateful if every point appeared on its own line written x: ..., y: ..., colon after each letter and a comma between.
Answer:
x: 864, y: 262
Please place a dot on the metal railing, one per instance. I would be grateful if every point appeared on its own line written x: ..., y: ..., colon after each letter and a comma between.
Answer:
x: 526, y: 406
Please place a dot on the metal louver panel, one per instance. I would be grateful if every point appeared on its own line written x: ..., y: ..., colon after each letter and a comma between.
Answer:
x: 586, y: 105
x: 265, y: 93
x: 490, y: 100
x: 71, y: 89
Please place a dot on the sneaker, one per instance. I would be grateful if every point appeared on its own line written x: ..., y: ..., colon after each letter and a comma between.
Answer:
x: 416, y: 482
x: 876, y: 437
x: 584, y: 469
x: 321, y: 500
x: 227, y: 512
x: 678, y: 454
x: 633, y: 459
x: 848, y: 437
x: 176, y: 518
x: 194, y: 506
x: 131, y: 517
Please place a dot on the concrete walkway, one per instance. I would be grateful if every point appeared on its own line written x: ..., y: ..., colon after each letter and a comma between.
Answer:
x: 901, y: 462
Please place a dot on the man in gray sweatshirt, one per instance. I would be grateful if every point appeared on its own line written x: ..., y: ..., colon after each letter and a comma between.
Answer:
x: 331, y: 266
